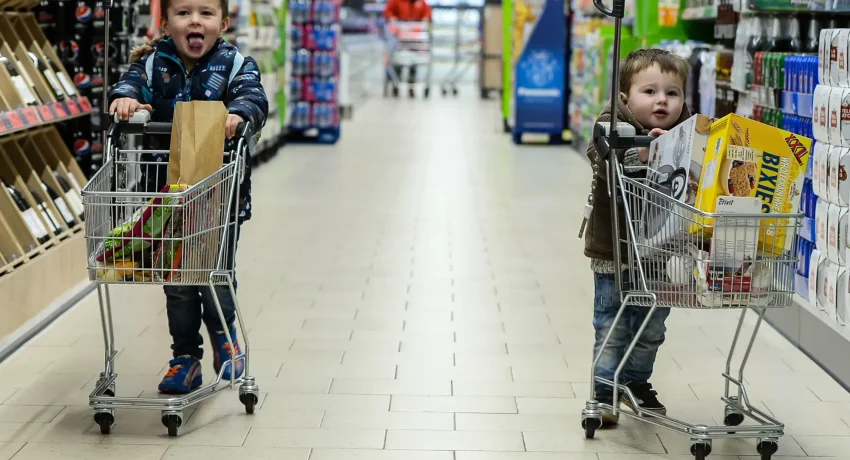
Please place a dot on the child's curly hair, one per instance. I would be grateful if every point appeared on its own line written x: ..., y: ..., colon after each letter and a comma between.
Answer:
x: 640, y: 60
x: 148, y: 48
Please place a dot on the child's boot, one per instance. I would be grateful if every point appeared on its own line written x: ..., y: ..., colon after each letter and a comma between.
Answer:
x: 222, y: 352
x: 183, y: 376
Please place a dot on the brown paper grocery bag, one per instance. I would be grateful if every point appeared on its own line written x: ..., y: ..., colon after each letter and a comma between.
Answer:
x: 197, y: 141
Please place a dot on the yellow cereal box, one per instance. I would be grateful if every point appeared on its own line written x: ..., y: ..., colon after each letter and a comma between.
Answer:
x: 748, y: 158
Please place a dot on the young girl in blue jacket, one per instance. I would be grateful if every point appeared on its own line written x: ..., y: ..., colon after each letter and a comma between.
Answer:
x: 191, y: 62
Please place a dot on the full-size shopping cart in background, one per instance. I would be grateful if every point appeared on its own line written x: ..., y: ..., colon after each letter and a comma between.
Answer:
x: 138, y: 233
x: 409, y: 46
x: 677, y: 256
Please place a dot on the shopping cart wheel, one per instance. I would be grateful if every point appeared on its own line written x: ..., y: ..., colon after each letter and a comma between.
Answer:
x: 454, y: 91
x: 250, y: 401
x: 172, y: 421
x: 733, y: 418
x: 767, y: 447
x: 700, y: 449
x: 426, y: 93
x: 104, y: 419
x: 590, y: 426
x: 444, y: 91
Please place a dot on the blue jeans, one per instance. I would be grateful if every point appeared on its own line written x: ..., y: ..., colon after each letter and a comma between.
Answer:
x: 605, y: 306
x: 188, y: 306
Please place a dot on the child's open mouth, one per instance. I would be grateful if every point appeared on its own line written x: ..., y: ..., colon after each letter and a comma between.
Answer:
x: 195, y: 41
x: 661, y: 113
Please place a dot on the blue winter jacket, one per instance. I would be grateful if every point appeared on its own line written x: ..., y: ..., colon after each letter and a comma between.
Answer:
x: 159, y: 79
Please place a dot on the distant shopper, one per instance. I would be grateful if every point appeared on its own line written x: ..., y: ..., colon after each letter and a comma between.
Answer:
x: 652, y: 99
x: 413, y: 11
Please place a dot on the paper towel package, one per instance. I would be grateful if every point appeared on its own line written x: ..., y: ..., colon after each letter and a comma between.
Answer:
x: 832, y: 173
x: 814, y: 264
x: 824, y: 46
x: 839, y: 117
x: 830, y: 292
x: 838, y: 167
x: 841, y: 296
x: 835, y: 234
x: 843, y: 233
x: 838, y: 58
x: 820, y: 113
x: 821, y: 223
x: 823, y: 284
x: 820, y: 154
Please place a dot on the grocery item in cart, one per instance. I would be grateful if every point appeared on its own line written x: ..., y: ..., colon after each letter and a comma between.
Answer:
x: 675, y: 165
x: 139, y: 231
x: 197, y: 140
x: 745, y: 158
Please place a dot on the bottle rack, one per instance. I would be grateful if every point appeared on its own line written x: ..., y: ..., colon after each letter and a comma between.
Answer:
x: 315, y: 71
x: 41, y: 242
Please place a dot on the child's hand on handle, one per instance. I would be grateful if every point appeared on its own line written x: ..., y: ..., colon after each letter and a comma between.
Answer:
x: 643, y: 152
x: 125, y: 107
x: 231, y: 125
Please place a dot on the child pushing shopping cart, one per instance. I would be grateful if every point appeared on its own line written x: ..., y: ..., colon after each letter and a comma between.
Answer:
x: 182, y: 237
x: 410, y: 42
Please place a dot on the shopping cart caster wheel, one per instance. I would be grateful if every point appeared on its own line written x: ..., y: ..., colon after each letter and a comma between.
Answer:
x: 426, y: 93
x: 444, y: 91
x: 105, y: 420
x: 395, y: 92
x: 250, y: 401
x: 767, y: 449
x: 454, y: 92
x: 700, y: 450
x: 733, y: 419
x: 590, y: 426
x: 172, y: 422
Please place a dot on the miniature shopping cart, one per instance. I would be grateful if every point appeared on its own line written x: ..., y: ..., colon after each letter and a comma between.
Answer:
x: 677, y: 256
x: 137, y: 233
x: 409, y: 45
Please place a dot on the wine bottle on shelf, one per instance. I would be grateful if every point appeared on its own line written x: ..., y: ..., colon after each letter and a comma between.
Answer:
x: 20, y: 83
x: 47, y: 214
x: 72, y: 197
x: 48, y: 74
x: 67, y: 85
x: 30, y: 217
x: 63, y: 208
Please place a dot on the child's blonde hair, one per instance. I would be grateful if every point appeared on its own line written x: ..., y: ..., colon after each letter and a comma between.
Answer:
x: 148, y: 48
x: 640, y: 60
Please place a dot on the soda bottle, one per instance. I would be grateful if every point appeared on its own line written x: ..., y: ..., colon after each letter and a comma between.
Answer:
x: 309, y: 90
x: 297, y: 37
x: 300, y: 12
x: 323, y: 12
x: 310, y: 37
x: 295, y: 89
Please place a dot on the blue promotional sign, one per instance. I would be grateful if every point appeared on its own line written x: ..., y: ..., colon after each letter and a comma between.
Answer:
x: 540, y: 75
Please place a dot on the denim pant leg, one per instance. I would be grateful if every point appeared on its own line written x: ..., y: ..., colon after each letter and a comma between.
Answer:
x: 642, y: 359
x: 606, y: 304
x: 183, y: 307
x: 228, y: 306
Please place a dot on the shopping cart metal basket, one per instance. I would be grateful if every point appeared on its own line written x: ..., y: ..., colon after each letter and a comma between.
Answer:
x: 409, y: 45
x: 138, y: 233
x: 673, y: 255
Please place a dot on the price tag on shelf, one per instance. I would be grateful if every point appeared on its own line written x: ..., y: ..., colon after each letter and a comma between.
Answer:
x: 30, y: 115
x: 46, y: 113
x: 84, y: 103
x: 15, y: 120
x: 73, y: 108
x: 59, y: 109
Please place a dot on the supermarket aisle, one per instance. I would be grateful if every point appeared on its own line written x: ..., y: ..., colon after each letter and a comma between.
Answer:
x: 416, y: 292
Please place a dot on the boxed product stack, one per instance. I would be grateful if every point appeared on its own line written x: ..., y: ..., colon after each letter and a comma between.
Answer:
x: 314, y: 113
x: 822, y: 248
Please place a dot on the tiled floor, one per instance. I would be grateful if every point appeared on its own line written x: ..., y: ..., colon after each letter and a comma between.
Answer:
x: 416, y: 292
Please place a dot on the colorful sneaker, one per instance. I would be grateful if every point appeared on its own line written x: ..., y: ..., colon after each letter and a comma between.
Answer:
x: 183, y: 376
x: 222, y: 353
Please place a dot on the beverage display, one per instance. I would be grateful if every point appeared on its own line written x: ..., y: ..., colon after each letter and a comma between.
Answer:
x: 315, y: 67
